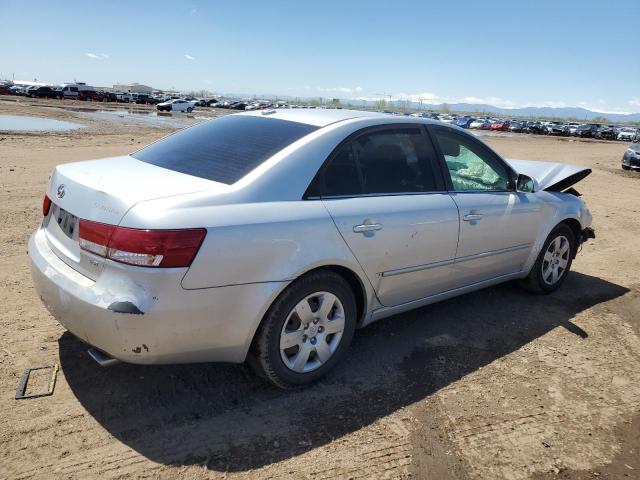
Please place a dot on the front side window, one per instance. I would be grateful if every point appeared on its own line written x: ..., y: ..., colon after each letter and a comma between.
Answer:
x: 470, y: 166
x: 390, y: 161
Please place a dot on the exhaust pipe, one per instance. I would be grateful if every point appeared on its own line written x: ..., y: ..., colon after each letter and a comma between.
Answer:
x: 102, y: 358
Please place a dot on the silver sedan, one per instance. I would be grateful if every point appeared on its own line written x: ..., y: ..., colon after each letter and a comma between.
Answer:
x: 269, y: 237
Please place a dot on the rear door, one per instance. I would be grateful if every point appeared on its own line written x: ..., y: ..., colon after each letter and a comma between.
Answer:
x: 498, y: 225
x: 384, y: 191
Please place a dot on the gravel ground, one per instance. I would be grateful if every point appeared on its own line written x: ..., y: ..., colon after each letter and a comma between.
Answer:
x: 494, y: 384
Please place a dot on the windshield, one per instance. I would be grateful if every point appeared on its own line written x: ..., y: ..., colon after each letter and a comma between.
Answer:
x: 225, y: 149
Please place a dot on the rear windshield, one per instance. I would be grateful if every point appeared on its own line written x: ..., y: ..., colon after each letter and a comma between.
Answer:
x: 225, y: 149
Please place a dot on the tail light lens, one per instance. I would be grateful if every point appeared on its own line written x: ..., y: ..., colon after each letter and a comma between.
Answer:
x: 146, y: 248
x: 46, y: 205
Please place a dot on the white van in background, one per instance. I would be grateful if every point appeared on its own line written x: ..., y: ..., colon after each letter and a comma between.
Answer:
x: 71, y: 90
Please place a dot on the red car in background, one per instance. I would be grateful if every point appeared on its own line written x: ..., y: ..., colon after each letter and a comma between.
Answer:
x: 500, y: 125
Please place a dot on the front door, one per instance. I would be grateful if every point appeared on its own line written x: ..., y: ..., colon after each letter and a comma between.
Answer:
x: 498, y: 225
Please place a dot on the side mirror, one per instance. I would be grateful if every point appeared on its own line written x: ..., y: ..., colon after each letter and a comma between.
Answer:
x: 526, y: 184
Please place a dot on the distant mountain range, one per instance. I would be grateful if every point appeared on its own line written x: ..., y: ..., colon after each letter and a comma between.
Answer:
x: 536, y: 112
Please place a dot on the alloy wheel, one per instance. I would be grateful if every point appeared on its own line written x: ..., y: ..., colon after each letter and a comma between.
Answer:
x: 312, y: 332
x: 555, y: 260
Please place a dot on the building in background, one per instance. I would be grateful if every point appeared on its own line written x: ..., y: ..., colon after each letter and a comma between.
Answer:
x: 133, y: 88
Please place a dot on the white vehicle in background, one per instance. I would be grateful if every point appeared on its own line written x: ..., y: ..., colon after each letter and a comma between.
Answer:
x: 627, y: 134
x: 71, y: 90
x: 477, y: 123
x: 573, y: 128
x: 125, y: 97
x: 177, y: 105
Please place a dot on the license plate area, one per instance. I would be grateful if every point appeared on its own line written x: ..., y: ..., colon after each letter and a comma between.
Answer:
x: 68, y: 223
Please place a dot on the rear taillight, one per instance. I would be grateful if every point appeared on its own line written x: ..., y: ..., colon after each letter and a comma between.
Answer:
x: 94, y: 237
x: 46, y: 205
x: 146, y: 248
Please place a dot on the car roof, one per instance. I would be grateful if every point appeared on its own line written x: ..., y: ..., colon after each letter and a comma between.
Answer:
x: 320, y: 117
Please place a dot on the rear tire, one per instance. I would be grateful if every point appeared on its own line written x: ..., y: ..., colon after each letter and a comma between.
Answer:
x: 553, y: 263
x: 306, y: 331
x: 189, y: 110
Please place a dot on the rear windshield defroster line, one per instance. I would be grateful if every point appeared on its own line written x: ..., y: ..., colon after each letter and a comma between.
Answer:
x: 225, y: 149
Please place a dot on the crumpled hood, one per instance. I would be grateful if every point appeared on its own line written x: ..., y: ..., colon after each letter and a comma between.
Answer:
x: 554, y: 177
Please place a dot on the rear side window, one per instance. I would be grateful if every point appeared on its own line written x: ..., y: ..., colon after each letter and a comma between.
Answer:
x: 394, y: 161
x: 225, y: 149
x: 389, y: 161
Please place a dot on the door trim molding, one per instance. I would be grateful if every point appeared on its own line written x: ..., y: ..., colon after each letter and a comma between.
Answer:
x: 417, y: 268
x: 491, y: 253
x: 475, y: 256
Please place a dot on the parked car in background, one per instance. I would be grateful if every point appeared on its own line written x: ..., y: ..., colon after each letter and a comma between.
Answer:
x: 125, y: 97
x: 464, y: 122
x: 627, y: 134
x: 536, y: 128
x: 29, y: 89
x: 44, y: 92
x: 486, y: 125
x: 447, y: 118
x: 500, y: 125
x: 145, y: 99
x: 179, y: 105
x: 91, y: 95
x: 573, y: 128
x: 517, y: 126
x: 477, y: 123
x: 72, y: 90
x: 587, y: 130
x: 606, y: 132
x: 631, y: 157
x: 557, y: 128
x: 191, y: 256
x: 5, y: 89
x: 109, y: 97
x: 17, y: 89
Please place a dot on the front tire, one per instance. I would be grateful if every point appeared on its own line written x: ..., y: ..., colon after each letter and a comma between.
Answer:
x: 626, y: 167
x: 189, y: 110
x: 553, y: 263
x: 306, y: 331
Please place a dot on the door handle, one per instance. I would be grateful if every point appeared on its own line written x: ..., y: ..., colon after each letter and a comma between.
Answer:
x: 471, y: 217
x: 367, y: 227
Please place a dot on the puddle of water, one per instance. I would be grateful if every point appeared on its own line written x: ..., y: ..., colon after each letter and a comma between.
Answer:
x: 147, y: 118
x: 16, y: 123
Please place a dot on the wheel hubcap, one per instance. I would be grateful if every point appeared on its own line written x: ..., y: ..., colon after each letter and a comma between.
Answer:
x: 556, y: 259
x: 312, y: 332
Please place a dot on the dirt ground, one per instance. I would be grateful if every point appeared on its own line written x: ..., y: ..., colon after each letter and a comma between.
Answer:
x: 491, y: 385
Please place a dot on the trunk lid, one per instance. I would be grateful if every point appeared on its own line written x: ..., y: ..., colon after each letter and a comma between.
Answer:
x: 103, y: 191
x: 550, y: 176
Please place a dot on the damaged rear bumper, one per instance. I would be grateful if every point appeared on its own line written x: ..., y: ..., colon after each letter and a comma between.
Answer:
x: 144, y: 316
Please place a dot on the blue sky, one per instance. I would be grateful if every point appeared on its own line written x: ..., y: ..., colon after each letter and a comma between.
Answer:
x: 506, y: 53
